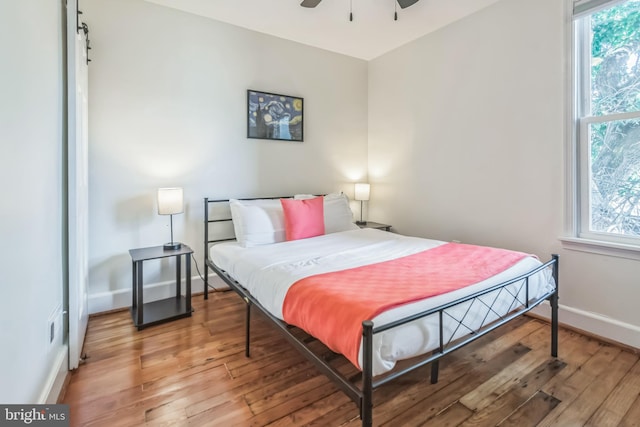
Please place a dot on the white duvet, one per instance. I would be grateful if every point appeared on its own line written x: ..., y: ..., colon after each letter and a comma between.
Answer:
x: 268, y: 271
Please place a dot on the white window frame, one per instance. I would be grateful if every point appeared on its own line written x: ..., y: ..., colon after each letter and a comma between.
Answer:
x: 578, y: 235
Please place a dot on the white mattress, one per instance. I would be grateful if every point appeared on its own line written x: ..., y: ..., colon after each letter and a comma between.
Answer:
x: 268, y: 271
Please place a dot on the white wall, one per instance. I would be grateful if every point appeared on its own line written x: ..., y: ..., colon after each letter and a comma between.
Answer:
x: 167, y: 108
x: 466, y: 137
x: 31, y: 218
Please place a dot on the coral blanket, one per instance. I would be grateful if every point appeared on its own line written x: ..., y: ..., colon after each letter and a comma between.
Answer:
x: 332, y: 306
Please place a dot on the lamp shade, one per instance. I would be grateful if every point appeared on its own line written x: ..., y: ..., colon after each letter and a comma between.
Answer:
x: 362, y: 191
x: 170, y: 201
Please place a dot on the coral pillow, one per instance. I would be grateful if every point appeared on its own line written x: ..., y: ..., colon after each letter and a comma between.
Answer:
x: 303, y: 218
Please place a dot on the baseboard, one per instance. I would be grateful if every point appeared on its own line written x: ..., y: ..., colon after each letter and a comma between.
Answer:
x: 594, y: 324
x: 121, y: 298
x: 57, y: 377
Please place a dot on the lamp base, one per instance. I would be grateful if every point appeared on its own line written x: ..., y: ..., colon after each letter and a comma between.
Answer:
x: 172, y: 246
x: 361, y: 222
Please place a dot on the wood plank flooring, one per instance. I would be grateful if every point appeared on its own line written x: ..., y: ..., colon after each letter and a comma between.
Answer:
x: 193, y: 372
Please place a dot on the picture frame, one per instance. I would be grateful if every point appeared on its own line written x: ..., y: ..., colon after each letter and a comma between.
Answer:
x: 275, y: 116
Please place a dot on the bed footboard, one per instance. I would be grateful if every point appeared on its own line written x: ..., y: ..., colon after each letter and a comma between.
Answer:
x: 368, y: 330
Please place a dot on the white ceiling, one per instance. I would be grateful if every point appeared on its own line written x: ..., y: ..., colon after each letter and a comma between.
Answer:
x: 371, y: 33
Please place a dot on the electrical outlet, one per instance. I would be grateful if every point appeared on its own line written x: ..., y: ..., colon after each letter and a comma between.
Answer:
x: 54, y: 324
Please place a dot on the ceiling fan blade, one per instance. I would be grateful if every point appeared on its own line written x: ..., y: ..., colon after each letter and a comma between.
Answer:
x: 405, y: 3
x: 310, y: 3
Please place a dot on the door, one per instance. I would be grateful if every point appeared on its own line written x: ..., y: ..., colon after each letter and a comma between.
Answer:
x: 78, y: 188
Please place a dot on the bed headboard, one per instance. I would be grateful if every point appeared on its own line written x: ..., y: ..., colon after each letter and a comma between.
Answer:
x: 223, y: 215
x: 217, y: 211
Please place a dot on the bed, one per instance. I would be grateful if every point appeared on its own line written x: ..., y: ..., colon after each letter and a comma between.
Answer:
x: 338, y: 267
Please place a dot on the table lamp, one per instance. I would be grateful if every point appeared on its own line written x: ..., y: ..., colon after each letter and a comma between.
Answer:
x: 362, y: 194
x: 170, y: 202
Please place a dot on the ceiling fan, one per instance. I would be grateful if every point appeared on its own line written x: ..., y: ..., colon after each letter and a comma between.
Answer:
x: 313, y: 3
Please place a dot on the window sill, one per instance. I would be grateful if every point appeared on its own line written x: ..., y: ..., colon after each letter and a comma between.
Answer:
x: 618, y: 250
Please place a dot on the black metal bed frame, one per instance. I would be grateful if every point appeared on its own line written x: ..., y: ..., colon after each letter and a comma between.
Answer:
x: 363, y: 395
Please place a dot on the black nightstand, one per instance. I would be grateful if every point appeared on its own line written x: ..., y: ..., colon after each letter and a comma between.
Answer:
x: 376, y: 225
x: 151, y: 313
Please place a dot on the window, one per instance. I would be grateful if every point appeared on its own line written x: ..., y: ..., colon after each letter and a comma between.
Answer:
x: 607, y: 114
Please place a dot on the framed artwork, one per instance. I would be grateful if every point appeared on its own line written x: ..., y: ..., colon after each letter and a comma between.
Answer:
x: 273, y: 116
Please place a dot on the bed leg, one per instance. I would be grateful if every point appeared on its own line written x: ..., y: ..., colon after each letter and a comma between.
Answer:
x: 206, y: 279
x: 366, y: 404
x: 435, y: 369
x: 435, y: 365
x: 248, y: 330
x: 554, y: 325
x: 554, y: 310
x: 206, y: 247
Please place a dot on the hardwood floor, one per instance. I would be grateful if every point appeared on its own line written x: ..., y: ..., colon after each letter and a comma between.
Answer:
x: 193, y: 372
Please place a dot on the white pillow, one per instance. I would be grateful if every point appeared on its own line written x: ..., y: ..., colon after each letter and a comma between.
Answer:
x: 257, y: 222
x: 337, y: 213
